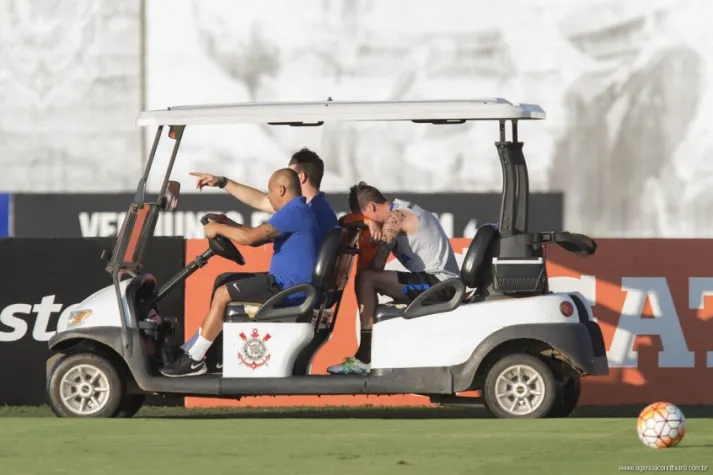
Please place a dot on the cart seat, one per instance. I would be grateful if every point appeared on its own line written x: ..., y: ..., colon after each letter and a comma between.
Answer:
x: 317, y: 291
x: 476, y: 272
x: 243, y: 309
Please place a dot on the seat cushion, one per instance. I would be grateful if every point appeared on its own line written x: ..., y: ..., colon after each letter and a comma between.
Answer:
x: 241, y: 311
x: 246, y: 311
x: 389, y: 310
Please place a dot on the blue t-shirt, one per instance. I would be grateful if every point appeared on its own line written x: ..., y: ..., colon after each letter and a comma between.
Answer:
x: 326, y: 217
x: 295, y: 250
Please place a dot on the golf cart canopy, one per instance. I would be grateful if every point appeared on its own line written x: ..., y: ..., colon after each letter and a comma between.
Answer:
x: 316, y: 113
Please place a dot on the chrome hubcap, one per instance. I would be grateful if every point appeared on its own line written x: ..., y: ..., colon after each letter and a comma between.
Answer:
x: 520, y: 390
x: 85, y: 390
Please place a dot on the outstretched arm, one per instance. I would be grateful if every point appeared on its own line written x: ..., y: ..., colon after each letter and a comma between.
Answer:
x: 248, y: 195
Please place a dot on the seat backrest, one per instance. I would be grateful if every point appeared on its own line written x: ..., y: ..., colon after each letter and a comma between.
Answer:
x: 333, y: 246
x: 476, y: 271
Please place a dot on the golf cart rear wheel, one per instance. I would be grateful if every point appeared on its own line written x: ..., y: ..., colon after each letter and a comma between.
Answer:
x: 567, y: 397
x: 130, y: 405
x: 520, y: 386
x: 85, y: 385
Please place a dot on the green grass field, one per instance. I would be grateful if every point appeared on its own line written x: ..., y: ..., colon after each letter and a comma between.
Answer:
x: 337, y: 441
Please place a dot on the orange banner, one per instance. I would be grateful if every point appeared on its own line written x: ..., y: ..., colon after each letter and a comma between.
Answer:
x: 649, y: 301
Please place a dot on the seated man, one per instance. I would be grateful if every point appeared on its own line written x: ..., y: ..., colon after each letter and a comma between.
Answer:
x: 310, y: 170
x: 293, y: 229
x: 417, y: 240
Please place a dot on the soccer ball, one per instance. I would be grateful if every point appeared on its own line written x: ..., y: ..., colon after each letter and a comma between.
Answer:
x: 661, y: 425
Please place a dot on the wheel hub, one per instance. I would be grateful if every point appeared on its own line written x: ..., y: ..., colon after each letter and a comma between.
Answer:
x: 85, y: 390
x: 520, y: 390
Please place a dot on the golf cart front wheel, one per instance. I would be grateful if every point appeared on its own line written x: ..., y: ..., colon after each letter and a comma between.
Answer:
x: 567, y: 397
x: 85, y: 385
x: 520, y: 386
x: 130, y: 405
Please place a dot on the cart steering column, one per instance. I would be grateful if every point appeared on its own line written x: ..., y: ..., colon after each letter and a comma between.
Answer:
x: 218, y: 246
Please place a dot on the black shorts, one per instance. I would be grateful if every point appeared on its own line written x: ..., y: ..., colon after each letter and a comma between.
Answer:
x: 256, y: 287
x: 416, y: 283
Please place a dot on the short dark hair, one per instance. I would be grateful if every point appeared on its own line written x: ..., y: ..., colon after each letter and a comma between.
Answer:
x: 310, y: 164
x: 361, y: 193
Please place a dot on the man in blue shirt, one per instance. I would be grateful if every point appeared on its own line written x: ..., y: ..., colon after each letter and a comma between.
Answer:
x: 296, y: 236
x: 310, y: 170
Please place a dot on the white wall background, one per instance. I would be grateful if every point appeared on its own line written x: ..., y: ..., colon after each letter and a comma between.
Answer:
x: 70, y: 89
x: 626, y: 85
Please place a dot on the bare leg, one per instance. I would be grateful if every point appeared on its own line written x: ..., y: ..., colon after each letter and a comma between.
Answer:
x: 220, y: 281
x: 213, y: 323
x: 367, y: 299
x: 192, y: 363
x: 369, y: 284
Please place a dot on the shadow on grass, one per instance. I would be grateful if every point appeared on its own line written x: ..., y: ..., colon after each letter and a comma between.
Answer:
x: 474, y: 412
x: 367, y: 412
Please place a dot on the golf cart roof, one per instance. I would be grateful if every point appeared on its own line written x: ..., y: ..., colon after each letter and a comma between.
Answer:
x: 316, y: 113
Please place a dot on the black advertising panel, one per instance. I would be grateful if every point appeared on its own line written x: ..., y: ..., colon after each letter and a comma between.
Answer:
x: 42, y: 279
x: 101, y: 215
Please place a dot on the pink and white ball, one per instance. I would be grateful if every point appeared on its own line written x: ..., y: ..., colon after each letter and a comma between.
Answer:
x: 661, y: 425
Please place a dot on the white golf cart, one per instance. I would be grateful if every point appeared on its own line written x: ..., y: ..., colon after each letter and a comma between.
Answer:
x: 503, y: 332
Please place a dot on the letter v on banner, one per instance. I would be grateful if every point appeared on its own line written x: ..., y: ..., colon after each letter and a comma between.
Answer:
x: 698, y: 289
x: 665, y: 324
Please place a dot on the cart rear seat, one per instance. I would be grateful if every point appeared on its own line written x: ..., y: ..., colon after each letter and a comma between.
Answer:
x: 476, y: 273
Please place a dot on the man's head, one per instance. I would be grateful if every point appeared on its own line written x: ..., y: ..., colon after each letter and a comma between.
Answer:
x: 369, y: 201
x: 309, y: 167
x: 283, y: 186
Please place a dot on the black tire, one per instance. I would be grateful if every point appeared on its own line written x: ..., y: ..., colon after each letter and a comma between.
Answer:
x: 130, y: 405
x: 567, y: 397
x: 523, y: 360
x: 90, y: 362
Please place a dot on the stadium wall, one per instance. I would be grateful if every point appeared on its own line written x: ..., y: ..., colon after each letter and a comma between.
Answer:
x: 100, y: 215
x: 653, y: 305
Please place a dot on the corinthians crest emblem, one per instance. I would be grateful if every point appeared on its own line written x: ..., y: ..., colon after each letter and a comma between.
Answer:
x: 254, y: 353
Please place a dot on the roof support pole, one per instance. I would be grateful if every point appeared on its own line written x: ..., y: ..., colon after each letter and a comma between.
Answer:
x: 515, y: 193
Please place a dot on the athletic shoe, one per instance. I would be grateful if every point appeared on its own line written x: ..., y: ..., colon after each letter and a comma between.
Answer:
x: 214, y: 357
x: 184, y: 366
x: 350, y: 365
x: 214, y: 367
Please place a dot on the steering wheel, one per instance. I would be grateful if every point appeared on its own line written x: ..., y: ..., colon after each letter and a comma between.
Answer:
x: 221, y: 245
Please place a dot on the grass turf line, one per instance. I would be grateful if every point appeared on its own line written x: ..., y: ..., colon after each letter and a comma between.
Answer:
x: 337, y: 441
x: 369, y: 412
